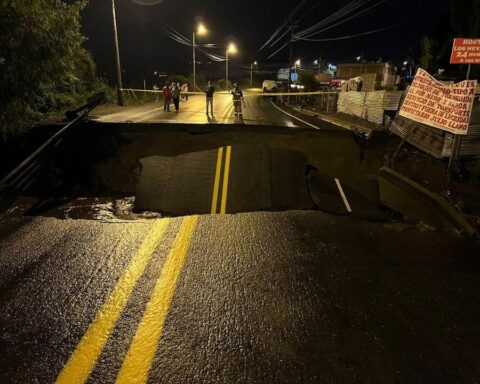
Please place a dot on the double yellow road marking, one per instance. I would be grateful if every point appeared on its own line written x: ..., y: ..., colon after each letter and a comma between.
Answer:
x: 142, y: 350
x: 144, y: 345
x: 226, y: 177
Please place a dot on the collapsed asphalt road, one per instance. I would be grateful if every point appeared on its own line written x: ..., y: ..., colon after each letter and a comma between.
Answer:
x: 221, y: 296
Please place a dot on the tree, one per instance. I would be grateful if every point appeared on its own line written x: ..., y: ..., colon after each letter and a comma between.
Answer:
x: 43, y: 66
x: 465, y: 18
x: 428, y: 60
x: 465, y: 22
x: 221, y: 85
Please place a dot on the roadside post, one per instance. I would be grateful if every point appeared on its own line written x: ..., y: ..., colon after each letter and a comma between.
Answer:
x: 464, y: 51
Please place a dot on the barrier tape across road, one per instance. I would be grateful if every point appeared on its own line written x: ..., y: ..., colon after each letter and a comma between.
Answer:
x: 246, y: 94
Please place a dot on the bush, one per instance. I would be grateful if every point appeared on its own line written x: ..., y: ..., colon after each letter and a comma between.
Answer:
x: 201, y: 82
x: 220, y: 85
x: 43, y: 66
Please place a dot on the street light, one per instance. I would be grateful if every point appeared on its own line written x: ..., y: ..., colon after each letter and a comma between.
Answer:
x: 232, y: 49
x: 117, y: 56
x: 201, y: 30
x: 251, y: 72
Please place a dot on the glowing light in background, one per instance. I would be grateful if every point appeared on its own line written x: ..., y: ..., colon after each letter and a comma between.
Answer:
x: 147, y: 2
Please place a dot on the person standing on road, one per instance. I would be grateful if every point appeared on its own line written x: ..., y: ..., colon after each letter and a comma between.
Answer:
x: 157, y: 90
x: 209, y: 91
x: 167, y: 96
x: 185, y: 91
x: 176, y: 96
x: 238, y: 99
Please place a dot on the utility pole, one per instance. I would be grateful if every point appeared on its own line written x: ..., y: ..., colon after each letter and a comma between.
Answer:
x: 251, y: 72
x: 194, y: 70
x: 252, y: 64
x: 226, y: 71
x: 293, y: 26
x: 290, y: 59
x: 117, y: 54
x: 200, y: 30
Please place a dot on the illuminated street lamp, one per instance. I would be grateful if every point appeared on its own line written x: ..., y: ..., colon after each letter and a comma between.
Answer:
x: 254, y: 63
x: 201, y: 30
x: 117, y: 56
x: 232, y: 49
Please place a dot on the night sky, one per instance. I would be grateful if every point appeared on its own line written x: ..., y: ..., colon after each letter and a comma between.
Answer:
x: 145, y: 48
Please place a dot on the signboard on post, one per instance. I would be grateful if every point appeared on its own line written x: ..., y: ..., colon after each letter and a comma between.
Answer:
x: 294, y: 76
x: 446, y: 107
x: 465, y: 51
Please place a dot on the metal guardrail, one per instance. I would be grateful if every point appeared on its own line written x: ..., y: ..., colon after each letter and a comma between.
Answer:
x: 27, y: 172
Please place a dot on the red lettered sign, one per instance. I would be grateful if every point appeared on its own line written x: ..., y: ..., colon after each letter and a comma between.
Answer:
x: 465, y: 51
x: 446, y: 107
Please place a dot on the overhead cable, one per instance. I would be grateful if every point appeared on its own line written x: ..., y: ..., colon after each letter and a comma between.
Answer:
x: 345, y: 11
x: 343, y: 21
x: 359, y: 34
x: 284, y: 24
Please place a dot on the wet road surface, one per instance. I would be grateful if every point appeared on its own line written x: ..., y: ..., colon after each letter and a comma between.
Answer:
x: 229, y: 297
x: 295, y: 297
x: 257, y: 111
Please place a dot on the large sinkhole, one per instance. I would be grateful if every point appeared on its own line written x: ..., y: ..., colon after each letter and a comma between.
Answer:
x: 156, y: 170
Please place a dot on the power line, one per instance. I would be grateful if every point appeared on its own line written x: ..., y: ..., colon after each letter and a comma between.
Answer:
x: 311, y: 9
x: 285, y: 23
x: 344, y: 11
x: 361, y: 34
x: 349, y: 8
x: 179, y: 38
x: 213, y: 57
x: 280, y: 38
x: 298, y: 37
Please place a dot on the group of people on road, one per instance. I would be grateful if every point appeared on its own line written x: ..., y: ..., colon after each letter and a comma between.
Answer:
x: 236, y: 92
x: 174, y: 93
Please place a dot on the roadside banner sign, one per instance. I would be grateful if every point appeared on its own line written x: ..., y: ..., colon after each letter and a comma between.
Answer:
x: 465, y: 51
x: 446, y: 107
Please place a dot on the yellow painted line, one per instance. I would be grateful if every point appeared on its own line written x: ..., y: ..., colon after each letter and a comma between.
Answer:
x: 226, y: 176
x: 142, y: 351
x: 216, y: 184
x: 83, y: 359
